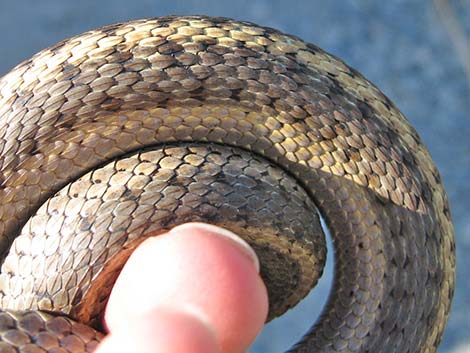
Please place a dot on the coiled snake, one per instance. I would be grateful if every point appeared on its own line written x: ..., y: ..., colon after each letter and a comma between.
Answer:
x: 128, y: 130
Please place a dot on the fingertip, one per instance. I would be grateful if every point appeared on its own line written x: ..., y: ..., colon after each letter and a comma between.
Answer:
x: 198, y: 268
x: 199, y: 227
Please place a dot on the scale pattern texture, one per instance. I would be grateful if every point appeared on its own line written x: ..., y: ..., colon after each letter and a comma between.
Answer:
x: 126, y: 87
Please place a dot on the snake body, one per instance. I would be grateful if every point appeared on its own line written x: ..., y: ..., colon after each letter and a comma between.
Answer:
x: 130, y: 129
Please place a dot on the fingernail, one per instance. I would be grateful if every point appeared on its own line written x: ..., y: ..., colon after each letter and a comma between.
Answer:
x: 242, y: 244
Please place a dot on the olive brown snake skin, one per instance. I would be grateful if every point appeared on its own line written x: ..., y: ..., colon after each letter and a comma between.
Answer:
x: 130, y: 129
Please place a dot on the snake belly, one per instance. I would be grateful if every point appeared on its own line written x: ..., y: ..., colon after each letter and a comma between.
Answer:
x: 121, y: 90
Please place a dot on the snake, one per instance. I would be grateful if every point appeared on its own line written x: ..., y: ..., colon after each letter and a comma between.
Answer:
x: 126, y: 131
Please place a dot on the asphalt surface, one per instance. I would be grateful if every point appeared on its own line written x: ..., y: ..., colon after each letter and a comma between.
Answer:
x: 403, y: 46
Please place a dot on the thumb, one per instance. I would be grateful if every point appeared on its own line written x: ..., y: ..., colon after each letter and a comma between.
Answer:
x: 194, y: 289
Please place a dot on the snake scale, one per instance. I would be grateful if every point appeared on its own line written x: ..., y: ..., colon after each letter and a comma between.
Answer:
x: 130, y: 129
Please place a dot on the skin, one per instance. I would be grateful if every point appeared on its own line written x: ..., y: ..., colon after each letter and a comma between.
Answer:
x: 202, y: 294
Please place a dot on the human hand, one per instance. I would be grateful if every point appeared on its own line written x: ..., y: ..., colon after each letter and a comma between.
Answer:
x: 187, y: 291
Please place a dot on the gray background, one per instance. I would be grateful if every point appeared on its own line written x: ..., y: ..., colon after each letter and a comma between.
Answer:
x: 403, y: 46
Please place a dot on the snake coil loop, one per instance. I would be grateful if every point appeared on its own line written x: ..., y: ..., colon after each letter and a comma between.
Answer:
x: 133, y: 128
